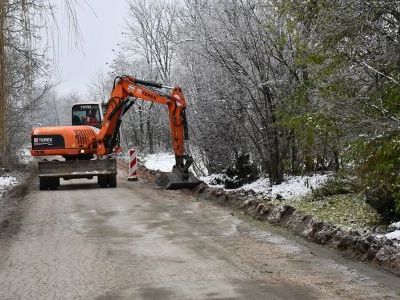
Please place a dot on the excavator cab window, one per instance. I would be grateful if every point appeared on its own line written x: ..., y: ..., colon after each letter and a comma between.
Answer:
x: 86, y: 114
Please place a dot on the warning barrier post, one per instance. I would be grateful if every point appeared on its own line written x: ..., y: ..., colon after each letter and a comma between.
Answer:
x: 133, y: 169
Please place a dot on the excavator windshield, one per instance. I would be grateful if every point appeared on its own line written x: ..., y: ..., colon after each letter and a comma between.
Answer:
x: 86, y: 114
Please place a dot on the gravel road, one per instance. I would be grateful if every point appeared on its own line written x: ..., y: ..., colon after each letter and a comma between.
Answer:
x: 140, y: 242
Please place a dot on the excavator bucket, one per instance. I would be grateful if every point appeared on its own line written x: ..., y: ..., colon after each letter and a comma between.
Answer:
x: 174, y: 181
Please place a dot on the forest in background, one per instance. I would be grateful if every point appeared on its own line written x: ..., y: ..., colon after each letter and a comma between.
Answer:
x: 297, y: 86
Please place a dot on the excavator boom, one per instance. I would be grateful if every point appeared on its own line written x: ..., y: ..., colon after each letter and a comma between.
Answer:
x: 126, y: 87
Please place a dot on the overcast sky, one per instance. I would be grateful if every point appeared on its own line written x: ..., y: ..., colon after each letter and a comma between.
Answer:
x: 101, y: 23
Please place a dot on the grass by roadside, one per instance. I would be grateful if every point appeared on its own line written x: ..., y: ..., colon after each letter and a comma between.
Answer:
x: 348, y: 211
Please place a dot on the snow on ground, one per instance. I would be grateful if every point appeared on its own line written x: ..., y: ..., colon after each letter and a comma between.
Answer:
x: 7, y: 181
x: 395, y: 225
x: 160, y: 162
x: 210, y: 179
x: 394, y: 235
x: 292, y: 187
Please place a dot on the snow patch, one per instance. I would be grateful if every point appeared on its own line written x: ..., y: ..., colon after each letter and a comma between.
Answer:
x: 394, y: 235
x: 394, y: 226
x: 7, y: 181
x: 160, y: 162
x: 210, y: 179
x: 291, y: 187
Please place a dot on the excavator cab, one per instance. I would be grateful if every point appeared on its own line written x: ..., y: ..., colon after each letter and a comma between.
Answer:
x: 87, y: 114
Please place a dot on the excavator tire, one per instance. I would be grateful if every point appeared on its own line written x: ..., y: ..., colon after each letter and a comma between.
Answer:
x: 107, y: 180
x: 42, y: 183
x: 49, y: 183
x: 53, y: 183
x: 102, y: 181
x: 112, y: 180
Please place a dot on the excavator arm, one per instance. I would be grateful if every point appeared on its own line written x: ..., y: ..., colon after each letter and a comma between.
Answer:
x: 126, y: 87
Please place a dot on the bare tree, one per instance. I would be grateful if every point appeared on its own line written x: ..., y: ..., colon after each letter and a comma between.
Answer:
x: 150, y: 48
x: 3, y: 92
x: 24, y: 66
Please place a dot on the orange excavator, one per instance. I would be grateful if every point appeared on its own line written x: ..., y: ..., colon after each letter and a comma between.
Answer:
x: 89, y: 150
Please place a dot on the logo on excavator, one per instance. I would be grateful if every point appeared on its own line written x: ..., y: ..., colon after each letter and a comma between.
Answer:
x: 148, y: 95
x: 131, y: 88
x: 140, y: 93
x: 85, y: 107
x: 39, y: 141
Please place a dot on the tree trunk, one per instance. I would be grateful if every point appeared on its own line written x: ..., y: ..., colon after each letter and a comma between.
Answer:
x: 141, y: 128
x: 294, y: 166
x: 3, y: 91
x: 274, y: 156
x: 150, y: 130
x: 276, y: 173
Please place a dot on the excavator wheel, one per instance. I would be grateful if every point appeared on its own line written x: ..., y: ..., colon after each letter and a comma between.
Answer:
x: 49, y: 183
x: 107, y: 180
x: 112, y: 181
x: 42, y: 183
x: 102, y: 181
x: 54, y: 183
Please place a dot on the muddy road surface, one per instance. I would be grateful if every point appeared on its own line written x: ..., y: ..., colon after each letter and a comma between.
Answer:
x: 141, y: 242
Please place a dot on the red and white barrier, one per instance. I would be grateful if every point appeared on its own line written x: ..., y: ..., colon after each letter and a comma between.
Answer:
x: 133, y: 170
